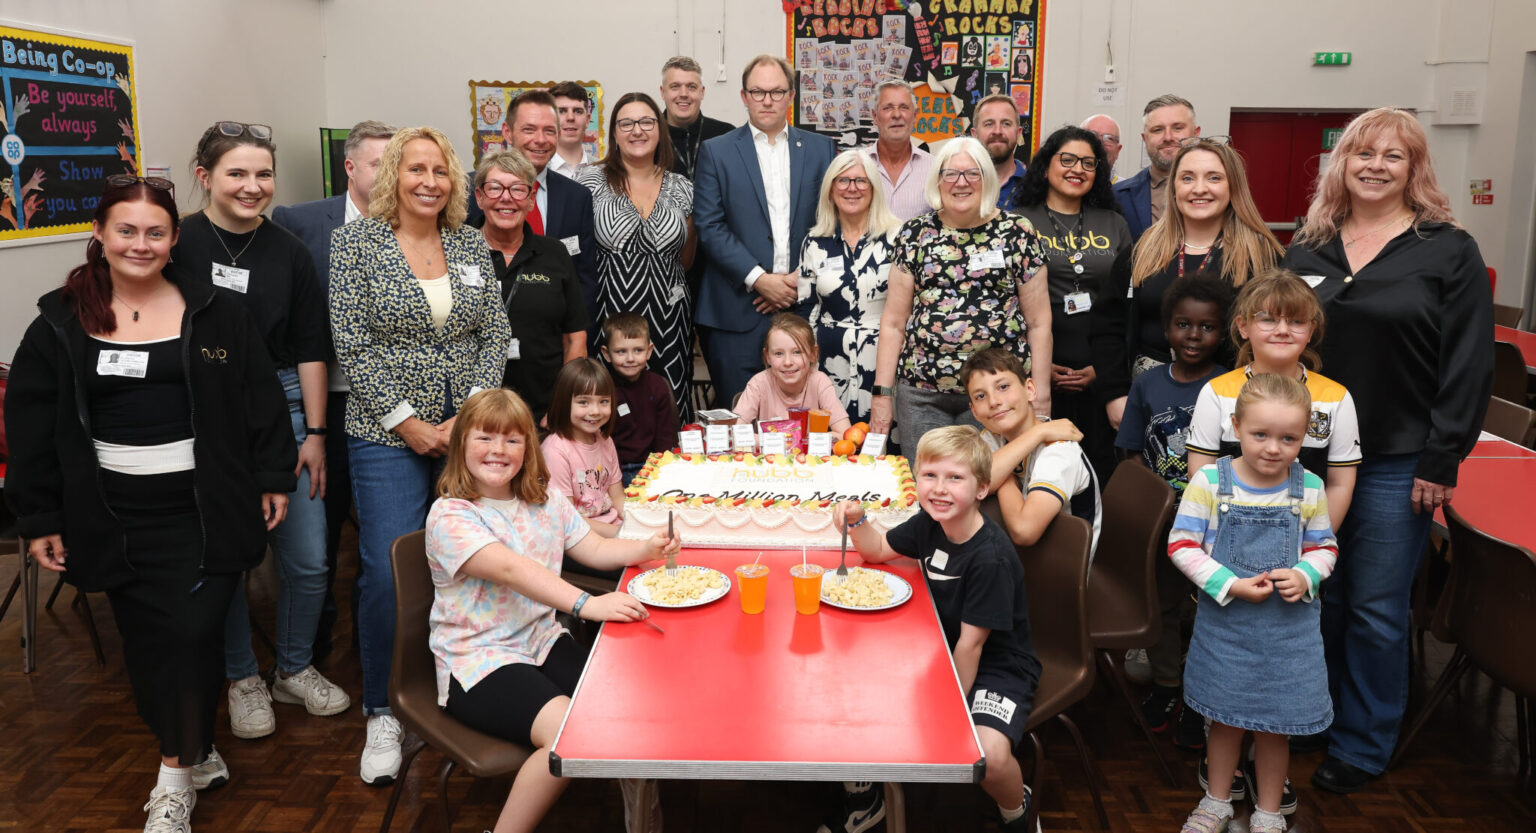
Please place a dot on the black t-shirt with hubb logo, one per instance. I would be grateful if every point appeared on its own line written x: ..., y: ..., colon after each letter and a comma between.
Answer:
x: 1099, y: 234
x: 543, y: 299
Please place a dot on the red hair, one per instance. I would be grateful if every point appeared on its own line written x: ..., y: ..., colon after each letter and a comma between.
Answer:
x: 88, y: 289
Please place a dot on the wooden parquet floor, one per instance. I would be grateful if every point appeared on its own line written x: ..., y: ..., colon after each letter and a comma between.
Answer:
x: 75, y: 757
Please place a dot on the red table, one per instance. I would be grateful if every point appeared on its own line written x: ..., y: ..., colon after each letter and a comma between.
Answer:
x: 1491, y: 446
x: 1494, y: 495
x: 1522, y: 339
x: 838, y: 696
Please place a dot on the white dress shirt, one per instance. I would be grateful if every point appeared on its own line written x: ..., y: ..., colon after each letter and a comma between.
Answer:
x: 773, y: 160
x: 559, y: 165
x: 541, y: 199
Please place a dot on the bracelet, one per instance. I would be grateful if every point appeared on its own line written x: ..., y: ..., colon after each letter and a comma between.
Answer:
x: 311, y: 431
x: 580, y: 601
x: 859, y: 523
x: 884, y: 390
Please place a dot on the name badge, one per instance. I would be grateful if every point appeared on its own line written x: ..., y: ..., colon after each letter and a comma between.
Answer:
x: 874, y: 445
x: 819, y: 444
x: 691, y: 442
x: 231, y: 277
x: 833, y: 266
x: 1076, y: 302
x: 1314, y: 280
x: 940, y: 559
x: 469, y: 275
x: 514, y: 350
x: 678, y: 292
x: 131, y: 363
x: 717, y: 439
x: 623, y: 409
x: 990, y: 259
x: 572, y: 245
x: 743, y: 438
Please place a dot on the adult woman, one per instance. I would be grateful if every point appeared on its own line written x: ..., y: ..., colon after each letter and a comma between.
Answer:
x: 1410, y: 320
x: 962, y: 278
x: 846, y: 264
x: 133, y: 380
x: 645, y: 239
x: 1082, y: 232
x: 418, y: 325
x: 1212, y: 226
x: 230, y: 244
x: 549, y: 320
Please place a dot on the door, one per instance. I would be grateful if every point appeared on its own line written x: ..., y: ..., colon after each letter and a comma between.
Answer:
x: 1282, y: 152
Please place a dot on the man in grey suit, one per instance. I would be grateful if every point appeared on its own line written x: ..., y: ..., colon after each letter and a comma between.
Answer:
x: 313, y: 222
x: 754, y: 200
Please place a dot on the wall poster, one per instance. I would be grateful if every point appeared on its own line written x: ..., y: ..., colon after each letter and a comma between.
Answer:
x: 488, y: 110
x: 67, y: 122
x: 953, y: 52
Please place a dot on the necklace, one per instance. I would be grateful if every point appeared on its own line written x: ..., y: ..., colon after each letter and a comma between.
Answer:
x: 1350, y: 244
x: 141, y: 303
x: 419, y: 252
x: 1188, y: 245
x: 234, y: 259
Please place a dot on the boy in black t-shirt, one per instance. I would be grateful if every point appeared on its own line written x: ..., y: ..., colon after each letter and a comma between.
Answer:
x: 977, y: 584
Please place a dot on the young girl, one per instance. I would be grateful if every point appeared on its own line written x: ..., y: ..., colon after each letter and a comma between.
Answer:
x: 1276, y: 321
x: 583, y: 462
x: 496, y: 537
x: 1253, y: 534
x: 791, y: 379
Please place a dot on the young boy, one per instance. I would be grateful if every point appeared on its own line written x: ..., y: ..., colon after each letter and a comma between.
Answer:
x: 646, y: 415
x: 977, y: 584
x: 1156, y: 424
x: 1038, y: 469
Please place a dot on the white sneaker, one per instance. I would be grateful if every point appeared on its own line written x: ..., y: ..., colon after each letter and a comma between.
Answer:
x: 250, y: 709
x: 170, y: 810
x: 319, y: 696
x: 381, y: 755
x: 1138, y: 669
x: 210, y: 773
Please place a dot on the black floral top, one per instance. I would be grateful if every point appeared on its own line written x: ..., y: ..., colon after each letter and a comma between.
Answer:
x: 965, y: 294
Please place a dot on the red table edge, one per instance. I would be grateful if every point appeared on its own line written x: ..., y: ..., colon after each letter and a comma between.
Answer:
x: 769, y: 770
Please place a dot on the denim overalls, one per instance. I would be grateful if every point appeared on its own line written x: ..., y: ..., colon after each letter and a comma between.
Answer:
x: 1259, y: 666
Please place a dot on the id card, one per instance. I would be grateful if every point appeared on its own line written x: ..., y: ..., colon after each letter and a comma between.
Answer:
x: 231, y: 277
x: 1076, y: 302
x: 623, y: 409
x: 514, y: 350
x: 990, y: 259
x: 469, y: 275
x: 572, y: 245
x: 130, y: 363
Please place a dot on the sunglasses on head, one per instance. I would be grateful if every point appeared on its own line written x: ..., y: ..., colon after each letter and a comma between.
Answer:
x: 129, y: 180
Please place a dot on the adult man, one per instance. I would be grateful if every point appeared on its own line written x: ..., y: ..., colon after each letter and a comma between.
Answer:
x: 903, y: 168
x: 996, y: 125
x: 573, y: 106
x: 682, y: 96
x: 1108, y: 131
x: 1166, y: 121
x: 562, y: 209
x: 313, y: 222
x: 753, y: 203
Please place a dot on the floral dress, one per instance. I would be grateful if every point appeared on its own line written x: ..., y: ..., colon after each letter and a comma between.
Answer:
x: 849, y: 287
x: 965, y: 294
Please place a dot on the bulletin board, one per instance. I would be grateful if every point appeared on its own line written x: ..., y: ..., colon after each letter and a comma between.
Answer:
x: 488, y: 102
x: 68, y: 121
x: 953, y: 53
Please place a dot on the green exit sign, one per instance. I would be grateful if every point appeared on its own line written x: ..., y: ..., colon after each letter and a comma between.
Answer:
x: 1331, y: 137
x: 1332, y: 59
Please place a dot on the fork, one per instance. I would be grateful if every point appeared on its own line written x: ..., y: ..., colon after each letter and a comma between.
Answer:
x: 671, y: 557
x: 842, y: 567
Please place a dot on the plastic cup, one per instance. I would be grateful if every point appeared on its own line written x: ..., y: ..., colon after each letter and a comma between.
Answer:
x: 752, y: 579
x: 819, y: 421
x: 807, y: 579
x: 802, y: 416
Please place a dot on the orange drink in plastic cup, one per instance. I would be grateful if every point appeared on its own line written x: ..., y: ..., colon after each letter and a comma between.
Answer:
x: 752, y: 579
x: 819, y: 421
x: 807, y: 587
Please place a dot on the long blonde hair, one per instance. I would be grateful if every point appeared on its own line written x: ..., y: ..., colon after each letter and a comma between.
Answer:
x: 1247, y: 246
x: 383, y: 200
x: 881, y: 221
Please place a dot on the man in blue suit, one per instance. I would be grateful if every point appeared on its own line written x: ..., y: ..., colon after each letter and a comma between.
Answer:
x: 1166, y: 121
x: 313, y: 222
x: 755, y: 195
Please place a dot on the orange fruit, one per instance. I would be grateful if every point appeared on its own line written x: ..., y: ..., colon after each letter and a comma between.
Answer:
x: 843, y: 448
x: 862, y: 426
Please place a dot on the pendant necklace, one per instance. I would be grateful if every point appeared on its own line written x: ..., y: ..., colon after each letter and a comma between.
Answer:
x: 234, y: 259
x: 132, y: 307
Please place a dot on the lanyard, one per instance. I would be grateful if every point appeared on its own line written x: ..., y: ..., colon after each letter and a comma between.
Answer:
x: 1204, y: 258
x: 1076, y: 258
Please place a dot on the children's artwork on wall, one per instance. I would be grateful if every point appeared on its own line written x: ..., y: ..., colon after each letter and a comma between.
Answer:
x: 488, y: 111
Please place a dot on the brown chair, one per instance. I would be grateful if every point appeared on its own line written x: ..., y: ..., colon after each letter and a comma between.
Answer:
x: 1510, y: 421
x: 1509, y: 373
x: 1123, y: 608
x: 1507, y: 316
x: 413, y: 690
x: 1492, y: 621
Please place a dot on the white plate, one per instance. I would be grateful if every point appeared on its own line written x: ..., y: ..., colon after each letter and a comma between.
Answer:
x: 643, y: 593
x: 901, y: 591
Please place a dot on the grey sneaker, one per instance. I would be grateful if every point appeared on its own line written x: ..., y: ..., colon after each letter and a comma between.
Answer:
x: 319, y: 696
x: 250, y: 709
x: 210, y: 773
x: 170, y: 810
x: 1138, y: 669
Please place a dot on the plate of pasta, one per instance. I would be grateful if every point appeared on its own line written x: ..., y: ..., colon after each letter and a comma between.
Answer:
x: 865, y: 589
x: 692, y: 586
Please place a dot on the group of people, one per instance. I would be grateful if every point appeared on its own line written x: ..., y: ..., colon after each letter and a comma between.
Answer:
x: 1016, y: 327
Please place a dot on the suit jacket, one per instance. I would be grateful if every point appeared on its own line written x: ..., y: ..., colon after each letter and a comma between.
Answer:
x: 730, y: 210
x: 1135, y: 198
x: 570, y: 215
x: 313, y: 223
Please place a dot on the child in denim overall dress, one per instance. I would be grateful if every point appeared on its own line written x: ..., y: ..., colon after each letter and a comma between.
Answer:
x: 1253, y: 534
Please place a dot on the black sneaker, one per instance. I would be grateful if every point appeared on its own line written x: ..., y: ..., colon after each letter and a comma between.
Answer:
x: 859, y: 811
x: 1287, y: 796
x: 1239, y: 783
x: 1190, y: 731
x: 1159, y: 707
x: 1018, y: 824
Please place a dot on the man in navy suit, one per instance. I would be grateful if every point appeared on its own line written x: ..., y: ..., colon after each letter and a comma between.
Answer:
x: 754, y: 200
x: 313, y: 222
x: 1166, y: 121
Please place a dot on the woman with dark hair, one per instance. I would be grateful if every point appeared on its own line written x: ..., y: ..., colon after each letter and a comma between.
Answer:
x: 645, y: 239
x: 1066, y: 194
x: 150, y: 455
x: 230, y: 244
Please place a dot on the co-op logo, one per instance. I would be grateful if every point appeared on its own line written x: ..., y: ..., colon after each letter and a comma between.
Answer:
x: 216, y: 355
x: 13, y: 150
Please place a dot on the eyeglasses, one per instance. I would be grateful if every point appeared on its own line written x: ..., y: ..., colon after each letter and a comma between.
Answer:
x: 644, y: 125
x: 1108, y: 138
x: 1204, y: 140
x: 1266, y: 323
x: 1067, y: 160
x: 240, y: 128
x: 951, y: 175
x: 851, y: 183
x: 774, y: 95
x: 517, y: 190
x: 129, y: 180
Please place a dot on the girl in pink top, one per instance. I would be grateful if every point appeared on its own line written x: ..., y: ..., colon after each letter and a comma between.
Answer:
x: 791, y: 379
x: 583, y: 462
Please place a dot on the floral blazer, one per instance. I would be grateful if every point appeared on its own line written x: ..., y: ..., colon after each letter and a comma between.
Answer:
x: 398, y: 364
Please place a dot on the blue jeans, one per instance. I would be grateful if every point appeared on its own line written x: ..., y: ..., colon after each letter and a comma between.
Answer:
x: 298, y: 547
x: 1365, y: 617
x: 392, y: 489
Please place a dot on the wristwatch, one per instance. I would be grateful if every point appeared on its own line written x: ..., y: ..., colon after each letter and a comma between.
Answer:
x: 311, y: 431
x: 884, y: 390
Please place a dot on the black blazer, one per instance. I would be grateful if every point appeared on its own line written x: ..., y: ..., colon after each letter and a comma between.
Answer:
x: 313, y: 222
